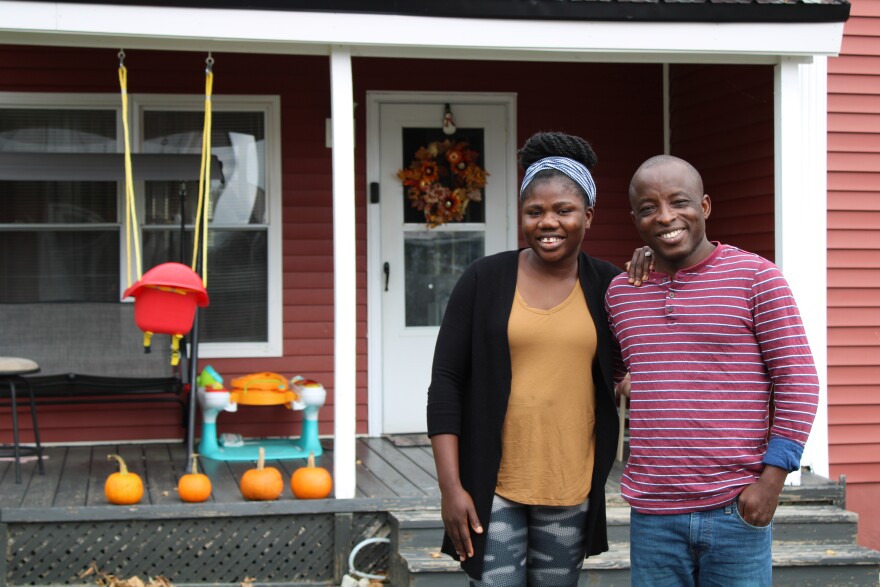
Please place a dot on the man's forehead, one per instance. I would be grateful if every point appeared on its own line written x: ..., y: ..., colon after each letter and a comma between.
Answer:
x: 667, y: 170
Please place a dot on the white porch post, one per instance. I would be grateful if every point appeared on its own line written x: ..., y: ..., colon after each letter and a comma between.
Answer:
x: 344, y: 273
x: 801, y: 216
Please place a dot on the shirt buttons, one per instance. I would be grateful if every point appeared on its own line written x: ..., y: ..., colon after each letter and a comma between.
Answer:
x: 670, y: 310
x: 672, y: 294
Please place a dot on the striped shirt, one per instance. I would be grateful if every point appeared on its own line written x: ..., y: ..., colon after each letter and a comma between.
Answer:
x: 723, y: 380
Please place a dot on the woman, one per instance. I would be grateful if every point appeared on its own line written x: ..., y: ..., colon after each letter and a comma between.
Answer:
x: 521, y: 408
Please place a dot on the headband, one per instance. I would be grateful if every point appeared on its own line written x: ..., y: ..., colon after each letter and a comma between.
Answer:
x: 573, y: 169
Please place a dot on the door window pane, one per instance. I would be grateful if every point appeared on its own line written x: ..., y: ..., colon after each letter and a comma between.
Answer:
x: 434, y: 262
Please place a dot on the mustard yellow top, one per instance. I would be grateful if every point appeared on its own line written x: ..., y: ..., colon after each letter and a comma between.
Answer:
x: 548, y: 440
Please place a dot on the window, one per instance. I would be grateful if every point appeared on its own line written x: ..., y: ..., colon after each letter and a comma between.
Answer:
x: 60, y: 240
x: 62, y: 232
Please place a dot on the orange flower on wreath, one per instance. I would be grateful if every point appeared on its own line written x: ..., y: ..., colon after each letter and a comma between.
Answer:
x: 442, y: 179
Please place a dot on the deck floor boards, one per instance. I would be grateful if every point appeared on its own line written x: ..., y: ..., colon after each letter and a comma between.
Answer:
x: 75, y: 475
x: 387, y: 471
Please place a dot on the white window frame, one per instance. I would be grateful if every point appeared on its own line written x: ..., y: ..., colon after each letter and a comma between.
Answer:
x: 270, y: 106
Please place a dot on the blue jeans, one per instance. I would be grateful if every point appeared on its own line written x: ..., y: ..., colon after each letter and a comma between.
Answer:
x: 710, y: 548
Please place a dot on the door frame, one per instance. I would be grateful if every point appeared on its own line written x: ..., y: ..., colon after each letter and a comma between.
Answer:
x: 375, y: 391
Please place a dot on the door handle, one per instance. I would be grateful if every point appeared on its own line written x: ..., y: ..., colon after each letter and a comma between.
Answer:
x: 387, y: 269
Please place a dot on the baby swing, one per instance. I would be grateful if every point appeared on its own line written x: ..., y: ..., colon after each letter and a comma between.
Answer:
x: 166, y: 302
x: 166, y: 296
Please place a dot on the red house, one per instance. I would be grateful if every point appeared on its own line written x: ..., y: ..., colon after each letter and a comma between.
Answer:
x: 318, y: 263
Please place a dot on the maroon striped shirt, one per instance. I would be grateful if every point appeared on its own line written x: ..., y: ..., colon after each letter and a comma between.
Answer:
x: 709, y: 351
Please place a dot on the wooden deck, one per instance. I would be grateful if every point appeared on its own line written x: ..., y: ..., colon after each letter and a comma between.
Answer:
x: 397, y: 470
x: 391, y: 472
x: 59, y: 524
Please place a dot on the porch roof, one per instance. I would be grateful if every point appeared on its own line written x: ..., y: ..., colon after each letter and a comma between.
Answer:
x: 717, y: 11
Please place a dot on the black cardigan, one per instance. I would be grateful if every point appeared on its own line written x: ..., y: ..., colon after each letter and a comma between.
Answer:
x: 470, y: 386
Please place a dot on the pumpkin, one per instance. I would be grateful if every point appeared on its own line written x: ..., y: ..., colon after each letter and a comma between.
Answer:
x: 311, y: 482
x: 124, y: 487
x: 263, y: 483
x: 194, y: 487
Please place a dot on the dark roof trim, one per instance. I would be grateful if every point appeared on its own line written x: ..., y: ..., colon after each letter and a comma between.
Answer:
x: 708, y: 11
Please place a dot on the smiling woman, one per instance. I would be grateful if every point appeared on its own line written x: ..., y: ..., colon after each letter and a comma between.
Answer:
x: 497, y: 402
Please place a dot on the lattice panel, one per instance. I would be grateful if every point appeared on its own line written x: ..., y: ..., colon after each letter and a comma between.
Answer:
x: 270, y: 549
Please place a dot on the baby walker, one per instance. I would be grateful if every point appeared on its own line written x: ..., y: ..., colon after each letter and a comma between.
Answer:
x: 258, y: 389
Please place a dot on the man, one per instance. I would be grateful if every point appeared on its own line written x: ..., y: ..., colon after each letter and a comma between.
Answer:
x: 723, y: 391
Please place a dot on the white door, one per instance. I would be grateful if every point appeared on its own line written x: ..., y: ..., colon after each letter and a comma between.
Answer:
x: 419, y: 265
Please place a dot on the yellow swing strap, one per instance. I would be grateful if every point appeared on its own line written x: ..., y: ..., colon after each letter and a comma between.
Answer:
x: 131, y: 223
x: 201, y: 224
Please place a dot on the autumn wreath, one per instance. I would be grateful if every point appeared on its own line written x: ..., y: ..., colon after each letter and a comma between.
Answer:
x: 443, y: 179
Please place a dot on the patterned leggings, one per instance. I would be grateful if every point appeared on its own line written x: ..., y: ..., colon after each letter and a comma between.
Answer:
x: 542, y: 546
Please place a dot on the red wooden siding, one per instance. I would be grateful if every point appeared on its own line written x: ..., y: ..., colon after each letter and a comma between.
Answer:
x: 722, y: 123
x: 854, y: 264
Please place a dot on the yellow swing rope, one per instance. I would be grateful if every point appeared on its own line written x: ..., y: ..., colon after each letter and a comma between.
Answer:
x: 201, y: 224
x: 131, y: 223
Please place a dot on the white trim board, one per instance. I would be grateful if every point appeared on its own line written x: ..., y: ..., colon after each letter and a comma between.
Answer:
x: 800, y: 103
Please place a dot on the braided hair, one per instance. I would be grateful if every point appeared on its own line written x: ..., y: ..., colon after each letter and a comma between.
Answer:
x: 555, y: 144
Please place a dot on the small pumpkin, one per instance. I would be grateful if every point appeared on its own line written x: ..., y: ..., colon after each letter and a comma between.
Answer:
x: 311, y: 482
x: 194, y: 487
x: 263, y: 483
x: 124, y: 487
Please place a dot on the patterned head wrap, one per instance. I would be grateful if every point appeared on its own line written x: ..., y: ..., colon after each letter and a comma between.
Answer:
x: 573, y: 169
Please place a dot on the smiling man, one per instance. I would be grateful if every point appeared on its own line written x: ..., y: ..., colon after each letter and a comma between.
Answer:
x: 723, y: 391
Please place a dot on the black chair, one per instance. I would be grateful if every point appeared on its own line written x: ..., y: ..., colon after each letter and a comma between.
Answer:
x: 11, y: 371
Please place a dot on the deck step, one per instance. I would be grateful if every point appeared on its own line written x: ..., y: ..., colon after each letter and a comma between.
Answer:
x: 794, y: 563
x: 805, y: 524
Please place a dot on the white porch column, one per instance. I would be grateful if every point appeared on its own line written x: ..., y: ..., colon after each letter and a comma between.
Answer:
x: 801, y: 216
x: 344, y: 273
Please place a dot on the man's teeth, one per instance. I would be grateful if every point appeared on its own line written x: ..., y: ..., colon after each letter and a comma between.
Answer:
x: 672, y: 234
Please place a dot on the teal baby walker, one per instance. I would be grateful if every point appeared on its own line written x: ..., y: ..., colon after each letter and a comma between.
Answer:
x: 258, y: 389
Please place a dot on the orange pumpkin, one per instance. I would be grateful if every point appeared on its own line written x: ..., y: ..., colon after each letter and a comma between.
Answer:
x: 262, y: 483
x: 124, y: 487
x: 311, y: 482
x: 194, y: 487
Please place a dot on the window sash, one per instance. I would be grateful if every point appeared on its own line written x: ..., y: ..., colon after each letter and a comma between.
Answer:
x: 270, y: 226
